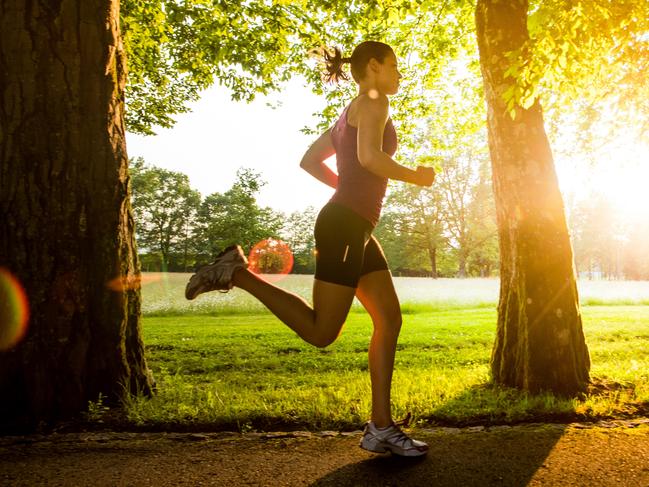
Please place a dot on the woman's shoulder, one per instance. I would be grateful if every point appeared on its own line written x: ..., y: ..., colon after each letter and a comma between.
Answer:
x: 373, y: 101
x: 364, y: 105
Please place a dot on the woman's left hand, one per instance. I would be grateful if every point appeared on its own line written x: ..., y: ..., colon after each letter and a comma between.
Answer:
x: 425, y: 176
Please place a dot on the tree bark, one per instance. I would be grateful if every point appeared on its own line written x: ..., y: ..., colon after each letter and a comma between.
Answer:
x: 66, y: 230
x: 540, y: 343
x: 461, y: 267
x: 432, y: 257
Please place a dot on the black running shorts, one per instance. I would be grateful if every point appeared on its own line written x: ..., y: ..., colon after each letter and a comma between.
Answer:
x: 345, y: 247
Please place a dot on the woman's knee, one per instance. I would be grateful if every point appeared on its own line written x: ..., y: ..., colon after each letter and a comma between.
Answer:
x: 396, y: 321
x: 326, y: 335
x: 389, y: 322
x: 323, y: 341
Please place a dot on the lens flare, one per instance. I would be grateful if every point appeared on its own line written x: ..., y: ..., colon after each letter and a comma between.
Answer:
x: 272, y: 257
x: 133, y: 281
x: 14, y: 310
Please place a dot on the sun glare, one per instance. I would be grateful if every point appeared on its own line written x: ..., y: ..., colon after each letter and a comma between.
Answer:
x: 624, y: 178
x: 133, y: 281
x: 627, y: 190
x: 620, y: 174
x: 272, y: 257
x: 14, y: 310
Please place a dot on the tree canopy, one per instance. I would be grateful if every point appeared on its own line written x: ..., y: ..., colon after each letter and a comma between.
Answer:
x: 596, y: 51
x: 592, y: 50
x: 176, y: 49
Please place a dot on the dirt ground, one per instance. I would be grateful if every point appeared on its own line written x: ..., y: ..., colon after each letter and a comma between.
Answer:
x: 614, y: 453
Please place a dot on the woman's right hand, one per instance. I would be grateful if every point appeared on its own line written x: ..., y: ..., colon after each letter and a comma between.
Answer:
x: 425, y: 176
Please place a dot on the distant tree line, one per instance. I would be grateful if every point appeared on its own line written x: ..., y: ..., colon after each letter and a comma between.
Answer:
x: 178, y: 229
x: 448, y: 230
x: 608, y: 244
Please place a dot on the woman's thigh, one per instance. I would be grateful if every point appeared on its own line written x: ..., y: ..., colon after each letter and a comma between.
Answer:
x: 377, y: 295
x: 331, y: 304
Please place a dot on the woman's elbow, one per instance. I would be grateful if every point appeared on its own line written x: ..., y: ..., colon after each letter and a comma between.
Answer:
x: 306, y: 163
x: 368, y: 160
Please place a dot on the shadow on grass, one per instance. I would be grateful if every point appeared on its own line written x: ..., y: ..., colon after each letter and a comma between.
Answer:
x: 482, y: 405
x: 490, y: 405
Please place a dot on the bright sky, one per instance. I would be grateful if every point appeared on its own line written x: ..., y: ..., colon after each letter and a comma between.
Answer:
x: 619, y: 171
x: 219, y: 136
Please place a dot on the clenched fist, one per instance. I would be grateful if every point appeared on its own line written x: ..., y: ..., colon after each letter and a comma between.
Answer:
x: 425, y: 176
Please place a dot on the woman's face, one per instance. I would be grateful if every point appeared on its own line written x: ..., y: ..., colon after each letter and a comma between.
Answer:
x: 388, y: 75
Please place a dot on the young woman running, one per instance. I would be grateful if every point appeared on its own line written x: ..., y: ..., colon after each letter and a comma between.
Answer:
x: 349, y: 260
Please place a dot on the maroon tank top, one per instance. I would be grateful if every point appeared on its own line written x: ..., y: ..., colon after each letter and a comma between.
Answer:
x: 359, y: 189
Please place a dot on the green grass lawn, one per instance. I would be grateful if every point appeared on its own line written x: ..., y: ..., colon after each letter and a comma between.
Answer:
x: 244, y: 370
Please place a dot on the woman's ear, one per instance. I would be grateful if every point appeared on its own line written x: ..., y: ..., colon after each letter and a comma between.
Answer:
x: 374, y: 65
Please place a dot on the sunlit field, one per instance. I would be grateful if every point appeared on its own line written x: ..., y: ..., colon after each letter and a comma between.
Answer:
x: 163, y: 294
x: 222, y: 362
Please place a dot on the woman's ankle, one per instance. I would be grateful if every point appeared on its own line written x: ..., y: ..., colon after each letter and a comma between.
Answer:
x: 382, y: 421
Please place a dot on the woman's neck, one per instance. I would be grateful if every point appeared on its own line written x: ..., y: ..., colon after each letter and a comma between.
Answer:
x: 368, y: 88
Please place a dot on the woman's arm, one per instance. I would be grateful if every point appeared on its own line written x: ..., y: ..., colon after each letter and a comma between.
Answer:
x: 372, y: 117
x: 313, y: 160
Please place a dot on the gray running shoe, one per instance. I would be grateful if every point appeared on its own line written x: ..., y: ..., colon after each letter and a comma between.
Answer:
x: 218, y: 275
x: 392, y: 439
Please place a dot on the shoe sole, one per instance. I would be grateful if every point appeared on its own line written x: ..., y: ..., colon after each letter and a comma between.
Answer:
x: 194, y: 294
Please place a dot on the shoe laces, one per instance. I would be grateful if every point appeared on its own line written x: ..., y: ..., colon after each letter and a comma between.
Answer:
x: 405, y: 422
x: 393, y: 433
x: 396, y: 436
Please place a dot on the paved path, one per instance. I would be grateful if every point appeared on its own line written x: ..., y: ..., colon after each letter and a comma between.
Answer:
x: 607, y: 454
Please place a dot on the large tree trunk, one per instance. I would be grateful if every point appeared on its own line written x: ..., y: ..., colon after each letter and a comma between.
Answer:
x: 66, y: 231
x: 540, y: 343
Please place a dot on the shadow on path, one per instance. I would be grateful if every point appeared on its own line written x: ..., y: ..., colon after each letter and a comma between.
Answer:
x: 504, y: 457
x: 531, y: 455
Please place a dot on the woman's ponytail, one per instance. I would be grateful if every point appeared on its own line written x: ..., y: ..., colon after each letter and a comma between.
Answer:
x: 334, y: 63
